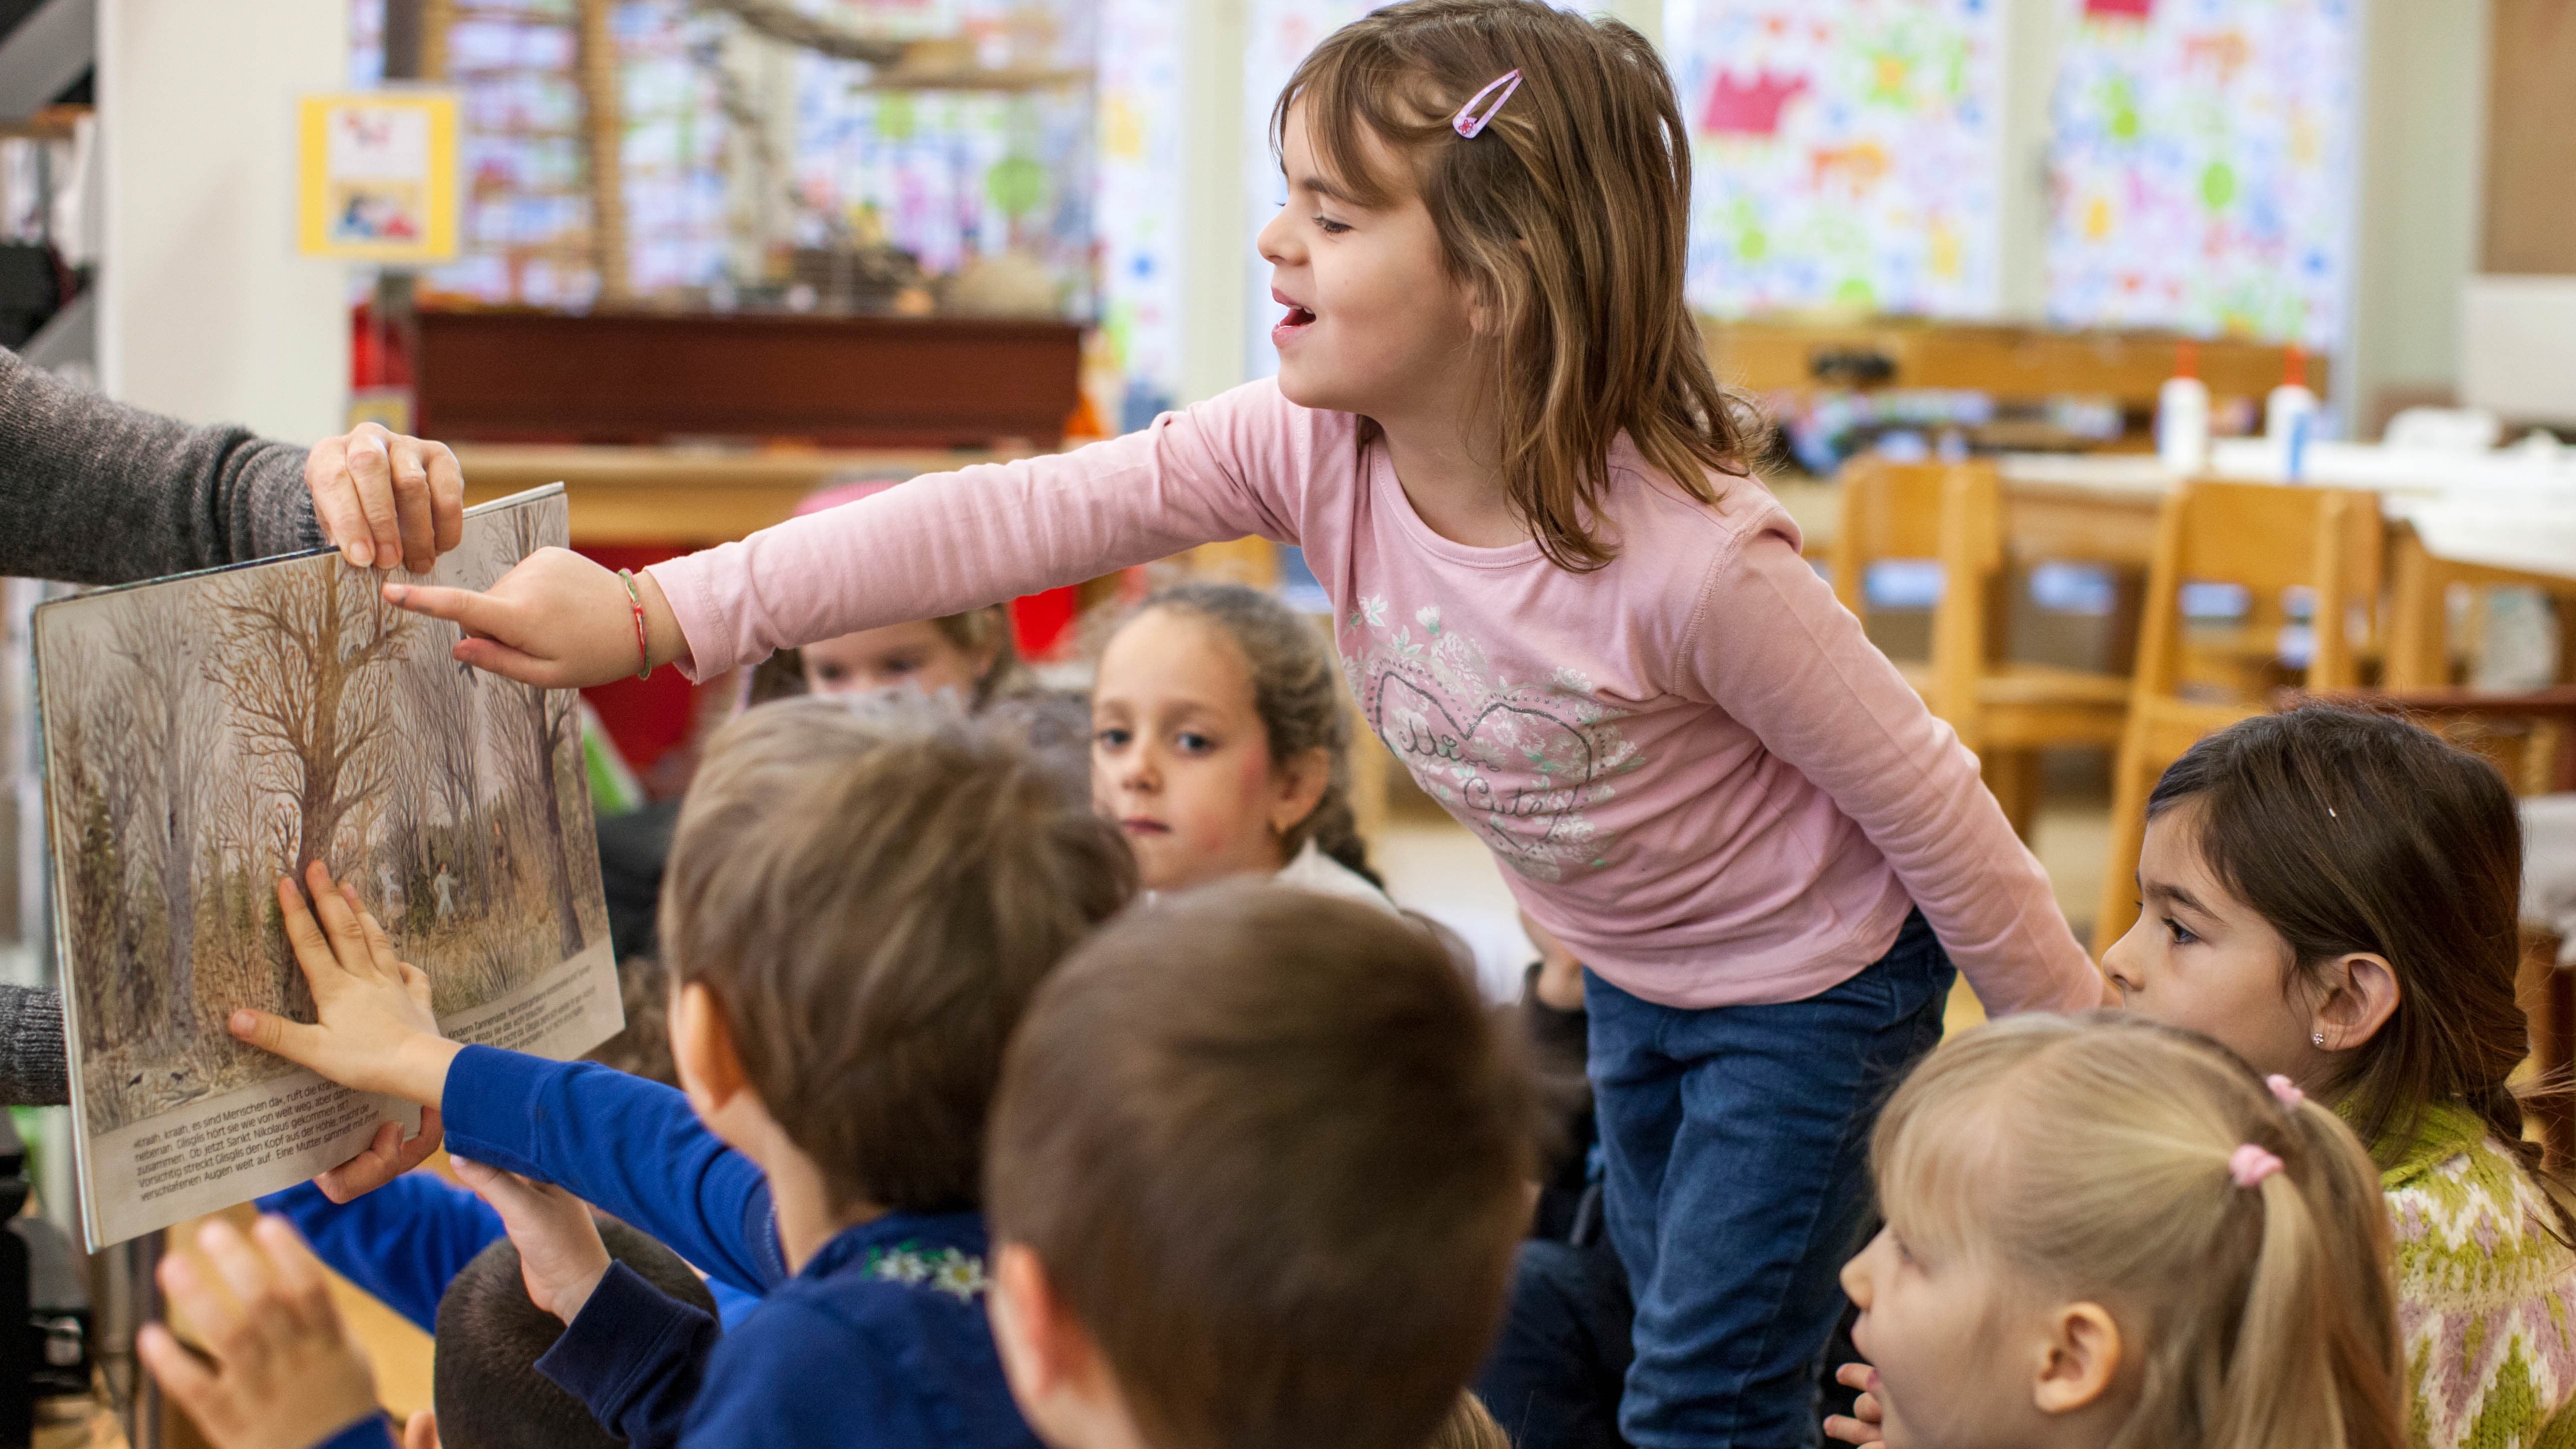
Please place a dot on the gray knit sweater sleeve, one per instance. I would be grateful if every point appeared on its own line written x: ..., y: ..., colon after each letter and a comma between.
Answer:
x: 95, y: 492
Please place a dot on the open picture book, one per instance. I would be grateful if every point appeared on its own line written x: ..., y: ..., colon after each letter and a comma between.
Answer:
x: 204, y: 735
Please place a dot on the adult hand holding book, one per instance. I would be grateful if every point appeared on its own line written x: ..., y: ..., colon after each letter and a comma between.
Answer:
x: 557, y: 620
x: 375, y: 1031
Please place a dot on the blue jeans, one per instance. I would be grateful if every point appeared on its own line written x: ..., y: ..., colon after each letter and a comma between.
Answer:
x: 1554, y: 1376
x: 1736, y: 1143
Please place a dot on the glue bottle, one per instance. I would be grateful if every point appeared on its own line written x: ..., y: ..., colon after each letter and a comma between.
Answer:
x: 2290, y: 416
x: 2182, y: 415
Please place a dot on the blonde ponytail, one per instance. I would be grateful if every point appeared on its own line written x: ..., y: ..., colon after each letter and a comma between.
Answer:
x: 2100, y: 1158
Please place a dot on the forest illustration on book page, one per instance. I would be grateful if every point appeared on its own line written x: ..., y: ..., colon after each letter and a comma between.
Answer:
x: 207, y: 734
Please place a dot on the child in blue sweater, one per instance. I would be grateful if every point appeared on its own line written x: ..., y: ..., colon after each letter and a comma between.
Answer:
x: 859, y: 905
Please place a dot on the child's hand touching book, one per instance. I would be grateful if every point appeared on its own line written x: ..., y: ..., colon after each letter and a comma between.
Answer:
x: 556, y: 620
x: 375, y: 1031
x: 279, y: 1369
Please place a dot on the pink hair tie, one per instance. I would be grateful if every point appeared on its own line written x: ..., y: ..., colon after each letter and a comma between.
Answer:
x: 2285, y: 1089
x: 1466, y: 123
x: 2248, y: 1165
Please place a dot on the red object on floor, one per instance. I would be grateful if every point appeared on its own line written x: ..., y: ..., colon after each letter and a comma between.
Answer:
x: 2123, y: 9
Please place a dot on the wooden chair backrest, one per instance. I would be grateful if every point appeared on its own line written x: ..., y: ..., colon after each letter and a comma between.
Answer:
x: 1945, y: 511
x: 2267, y: 538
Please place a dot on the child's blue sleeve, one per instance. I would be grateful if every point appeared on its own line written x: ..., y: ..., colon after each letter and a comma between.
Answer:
x: 402, y: 1243
x: 625, y: 1145
x: 635, y: 1357
x: 370, y: 1432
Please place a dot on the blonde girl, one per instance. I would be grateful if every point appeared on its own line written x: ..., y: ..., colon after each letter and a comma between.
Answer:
x: 2112, y: 1234
x: 1562, y: 602
x: 1219, y: 745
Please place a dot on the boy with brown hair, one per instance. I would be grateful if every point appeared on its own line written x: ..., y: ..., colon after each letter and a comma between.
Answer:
x: 1258, y: 1165
x: 860, y: 904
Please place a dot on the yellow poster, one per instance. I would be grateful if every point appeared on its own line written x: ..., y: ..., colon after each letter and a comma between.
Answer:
x: 378, y: 177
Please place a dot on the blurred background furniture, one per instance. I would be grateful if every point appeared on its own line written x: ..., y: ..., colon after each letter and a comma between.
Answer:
x: 2304, y: 561
x: 2005, y: 710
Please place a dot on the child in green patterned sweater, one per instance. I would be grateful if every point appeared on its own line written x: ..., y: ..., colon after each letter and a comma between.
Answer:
x: 2332, y: 893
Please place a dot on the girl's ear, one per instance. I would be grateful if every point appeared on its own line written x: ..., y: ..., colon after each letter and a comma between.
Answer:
x: 2361, y: 995
x: 1296, y: 787
x: 2079, y: 1360
x: 702, y: 1048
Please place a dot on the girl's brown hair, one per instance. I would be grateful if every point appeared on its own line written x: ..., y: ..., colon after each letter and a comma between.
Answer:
x: 1297, y: 694
x: 2092, y: 1160
x: 2353, y: 831
x: 1567, y: 219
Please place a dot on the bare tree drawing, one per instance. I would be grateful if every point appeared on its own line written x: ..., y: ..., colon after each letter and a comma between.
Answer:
x: 441, y: 706
x: 205, y: 736
x: 303, y: 668
x: 542, y: 723
x: 174, y: 730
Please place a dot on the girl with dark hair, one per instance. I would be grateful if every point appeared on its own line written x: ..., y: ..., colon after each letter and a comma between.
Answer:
x: 2333, y: 893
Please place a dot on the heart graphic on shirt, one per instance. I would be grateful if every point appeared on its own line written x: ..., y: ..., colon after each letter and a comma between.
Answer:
x: 1482, y: 769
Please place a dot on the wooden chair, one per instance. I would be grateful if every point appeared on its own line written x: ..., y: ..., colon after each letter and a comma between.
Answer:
x: 2419, y: 608
x: 2266, y: 539
x: 2006, y: 711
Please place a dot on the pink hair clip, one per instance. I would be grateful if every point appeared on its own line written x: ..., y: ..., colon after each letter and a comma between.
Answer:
x: 2248, y: 1165
x: 2285, y: 1089
x: 1466, y: 123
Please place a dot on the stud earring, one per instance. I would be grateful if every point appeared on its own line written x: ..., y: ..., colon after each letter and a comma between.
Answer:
x: 2319, y: 1038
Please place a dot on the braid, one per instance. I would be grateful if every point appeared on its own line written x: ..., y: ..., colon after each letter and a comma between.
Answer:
x: 2504, y: 1110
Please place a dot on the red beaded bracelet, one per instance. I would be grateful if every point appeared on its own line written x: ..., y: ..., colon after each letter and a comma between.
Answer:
x: 643, y: 650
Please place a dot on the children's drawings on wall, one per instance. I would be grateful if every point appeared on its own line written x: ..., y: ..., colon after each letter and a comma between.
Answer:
x: 1281, y: 32
x: 1140, y: 206
x: 2203, y: 170
x: 1845, y: 152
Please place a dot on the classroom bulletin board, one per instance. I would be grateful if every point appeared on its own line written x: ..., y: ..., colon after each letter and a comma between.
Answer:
x: 2202, y: 171
x: 1845, y: 152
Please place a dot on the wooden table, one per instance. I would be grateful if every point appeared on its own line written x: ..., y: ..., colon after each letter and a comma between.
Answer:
x: 685, y: 497
x: 2101, y: 508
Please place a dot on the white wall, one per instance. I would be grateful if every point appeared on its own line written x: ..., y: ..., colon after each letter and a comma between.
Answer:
x: 206, y: 311
x: 2423, y: 157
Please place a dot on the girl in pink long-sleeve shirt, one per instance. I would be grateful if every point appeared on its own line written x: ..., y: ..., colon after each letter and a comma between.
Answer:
x: 1562, y: 602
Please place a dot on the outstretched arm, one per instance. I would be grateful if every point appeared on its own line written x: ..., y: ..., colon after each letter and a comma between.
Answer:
x: 629, y: 1146
x: 938, y: 545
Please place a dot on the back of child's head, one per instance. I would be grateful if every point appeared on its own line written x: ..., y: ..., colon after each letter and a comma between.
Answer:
x: 1567, y: 217
x: 2353, y: 831
x: 486, y: 1388
x: 1271, y: 1154
x: 1296, y: 692
x: 869, y: 891
x: 2101, y: 1159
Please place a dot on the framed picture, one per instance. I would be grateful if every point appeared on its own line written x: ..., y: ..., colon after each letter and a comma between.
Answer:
x: 377, y: 176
